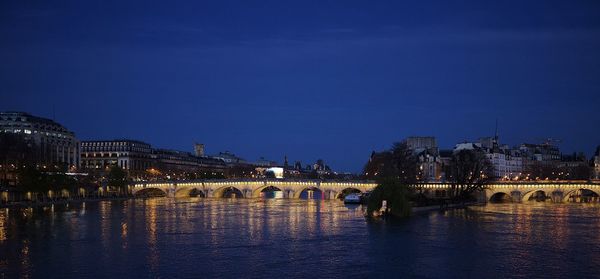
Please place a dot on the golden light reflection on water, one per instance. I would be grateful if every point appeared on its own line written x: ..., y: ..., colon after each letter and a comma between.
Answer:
x: 105, y: 223
x: 257, y: 220
x: 3, y: 225
x: 218, y: 226
x: 25, y: 261
x: 529, y: 224
x: 151, y: 214
x: 124, y: 233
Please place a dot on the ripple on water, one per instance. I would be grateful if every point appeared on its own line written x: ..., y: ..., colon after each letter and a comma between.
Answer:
x: 298, y: 238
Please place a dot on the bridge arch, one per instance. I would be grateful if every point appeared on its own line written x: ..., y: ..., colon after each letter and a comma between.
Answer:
x: 189, y: 192
x: 346, y: 191
x: 500, y: 197
x: 150, y: 192
x: 298, y: 194
x: 225, y: 191
x: 569, y: 194
x: 536, y: 194
x: 256, y: 193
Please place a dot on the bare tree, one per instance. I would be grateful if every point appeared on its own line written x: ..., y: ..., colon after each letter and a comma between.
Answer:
x: 398, y: 163
x: 468, y: 171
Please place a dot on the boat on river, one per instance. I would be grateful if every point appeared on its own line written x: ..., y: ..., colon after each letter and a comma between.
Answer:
x: 352, y: 198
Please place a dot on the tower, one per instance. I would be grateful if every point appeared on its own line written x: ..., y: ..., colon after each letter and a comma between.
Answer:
x: 496, y: 134
x: 199, y: 149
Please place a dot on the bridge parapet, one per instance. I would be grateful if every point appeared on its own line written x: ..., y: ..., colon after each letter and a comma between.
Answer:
x: 251, y: 187
x: 292, y: 188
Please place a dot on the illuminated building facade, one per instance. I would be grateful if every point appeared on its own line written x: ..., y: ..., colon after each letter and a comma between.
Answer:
x: 596, y: 162
x: 53, y: 143
x: 132, y: 155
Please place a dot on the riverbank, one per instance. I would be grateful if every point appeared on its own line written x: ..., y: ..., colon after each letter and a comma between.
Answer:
x: 22, y: 204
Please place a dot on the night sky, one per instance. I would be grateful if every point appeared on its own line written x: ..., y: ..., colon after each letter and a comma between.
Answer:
x: 322, y: 79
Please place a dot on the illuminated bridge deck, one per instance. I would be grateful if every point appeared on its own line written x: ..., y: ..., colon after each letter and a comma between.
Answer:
x: 252, y: 188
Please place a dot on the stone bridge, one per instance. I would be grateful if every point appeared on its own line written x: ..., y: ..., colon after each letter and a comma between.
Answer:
x: 252, y: 188
x: 506, y: 191
x: 556, y: 191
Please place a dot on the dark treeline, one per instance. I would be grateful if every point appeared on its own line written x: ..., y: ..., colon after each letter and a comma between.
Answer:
x: 397, y: 173
x: 22, y: 166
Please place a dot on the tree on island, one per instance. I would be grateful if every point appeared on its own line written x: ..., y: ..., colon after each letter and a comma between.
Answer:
x: 394, y: 170
x: 469, y: 170
x: 117, y: 178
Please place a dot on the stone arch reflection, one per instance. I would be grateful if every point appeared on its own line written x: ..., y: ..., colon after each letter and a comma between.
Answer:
x: 536, y: 196
x: 268, y: 192
x: 229, y: 192
x: 189, y: 192
x: 501, y: 197
x: 150, y: 193
x: 347, y: 191
x: 582, y: 195
x: 310, y: 193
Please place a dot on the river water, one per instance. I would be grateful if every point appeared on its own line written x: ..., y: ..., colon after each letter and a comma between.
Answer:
x: 241, y: 238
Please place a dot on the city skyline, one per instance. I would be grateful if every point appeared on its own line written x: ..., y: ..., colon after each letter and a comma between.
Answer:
x: 23, y: 123
x: 330, y: 139
x: 257, y: 153
x: 307, y: 80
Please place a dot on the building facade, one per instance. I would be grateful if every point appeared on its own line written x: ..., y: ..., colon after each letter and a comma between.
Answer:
x: 596, y: 163
x: 178, y: 162
x: 597, y: 167
x: 507, y: 165
x: 131, y: 155
x: 140, y: 160
x: 429, y: 160
x: 53, y: 143
x: 507, y: 162
x: 545, y: 153
x: 419, y: 144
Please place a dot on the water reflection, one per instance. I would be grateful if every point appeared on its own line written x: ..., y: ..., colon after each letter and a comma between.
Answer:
x: 197, y: 237
x: 3, y: 225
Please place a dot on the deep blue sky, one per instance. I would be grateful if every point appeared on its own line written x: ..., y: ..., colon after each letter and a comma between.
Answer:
x: 306, y: 79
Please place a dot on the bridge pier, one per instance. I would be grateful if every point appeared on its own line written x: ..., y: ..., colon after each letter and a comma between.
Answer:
x: 557, y: 196
x: 332, y: 195
x: 288, y: 194
x: 171, y: 190
x: 516, y: 196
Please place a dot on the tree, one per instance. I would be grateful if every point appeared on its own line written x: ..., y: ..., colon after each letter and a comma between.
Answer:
x: 394, y: 193
x: 117, y: 178
x: 398, y: 162
x: 239, y: 171
x: 60, y: 181
x: 580, y: 172
x: 540, y: 170
x: 395, y: 170
x: 30, y: 179
x: 88, y: 183
x: 469, y: 170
